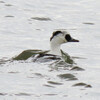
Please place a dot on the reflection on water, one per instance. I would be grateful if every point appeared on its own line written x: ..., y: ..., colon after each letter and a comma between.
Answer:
x: 8, y: 5
x: 54, y: 83
x: 82, y: 84
x: 67, y: 76
x: 88, y: 23
x: 3, y: 94
x: 76, y: 68
x: 41, y: 18
x: 9, y: 16
x: 23, y: 94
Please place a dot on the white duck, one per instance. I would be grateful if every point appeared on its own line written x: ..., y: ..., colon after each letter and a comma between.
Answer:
x: 58, y: 38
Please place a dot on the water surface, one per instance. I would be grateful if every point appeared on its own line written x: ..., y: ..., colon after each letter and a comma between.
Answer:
x: 28, y: 24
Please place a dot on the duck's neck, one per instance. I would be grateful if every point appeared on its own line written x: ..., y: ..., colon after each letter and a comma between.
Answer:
x: 55, y: 48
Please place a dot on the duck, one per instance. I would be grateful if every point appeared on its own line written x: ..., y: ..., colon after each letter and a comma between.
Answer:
x: 56, y: 40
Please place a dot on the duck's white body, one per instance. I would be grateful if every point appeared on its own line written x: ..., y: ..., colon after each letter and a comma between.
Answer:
x: 58, y: 38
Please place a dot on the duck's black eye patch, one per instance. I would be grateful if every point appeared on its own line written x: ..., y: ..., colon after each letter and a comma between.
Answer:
x: 68, y: 37
x: 54, y: 34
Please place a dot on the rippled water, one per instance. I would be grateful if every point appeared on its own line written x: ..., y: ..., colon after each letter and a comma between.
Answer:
x: 28, y: 24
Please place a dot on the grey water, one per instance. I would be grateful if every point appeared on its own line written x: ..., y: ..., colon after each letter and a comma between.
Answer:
x: 28, y: 25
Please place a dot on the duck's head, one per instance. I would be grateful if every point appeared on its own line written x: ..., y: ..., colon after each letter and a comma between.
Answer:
x: 58, y: 38
x: 61, y: 37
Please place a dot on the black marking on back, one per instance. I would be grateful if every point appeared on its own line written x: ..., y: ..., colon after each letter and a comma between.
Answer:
x: 55, y: 34
x: 47, y: 57
x: 68, y: 37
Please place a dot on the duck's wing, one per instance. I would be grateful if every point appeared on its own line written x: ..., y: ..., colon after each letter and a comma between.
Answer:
x: 67, y: 58
x: 28, y: 53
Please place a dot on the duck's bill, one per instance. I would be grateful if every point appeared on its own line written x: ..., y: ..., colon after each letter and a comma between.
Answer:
x: 74, y: 40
